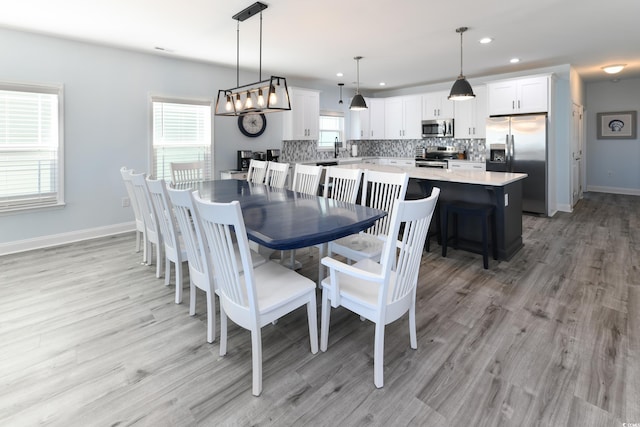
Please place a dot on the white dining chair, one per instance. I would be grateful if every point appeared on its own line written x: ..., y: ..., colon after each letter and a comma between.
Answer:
x: 187, y: 171
x: 379, y: 191
x: 257, y: 171
x: 306, y: 179
x: 341, y: 184
x: 200, y: 268
x: 276, y: 175
x: 251, y: 297
x: 133, y: 201
x: 152, y: 228
x: 174, y: 250
x: 384, y: 291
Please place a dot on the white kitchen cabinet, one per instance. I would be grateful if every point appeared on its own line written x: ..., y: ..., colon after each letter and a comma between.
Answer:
x: 519, y: 96
x: 471, y: 115
x: 402, y: 117
x: 369, y: 123
x: 467, y: 164
x: 436, y: 105
x: 302, y: 121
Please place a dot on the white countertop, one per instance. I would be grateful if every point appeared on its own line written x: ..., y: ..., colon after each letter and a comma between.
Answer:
x: 497, y: 179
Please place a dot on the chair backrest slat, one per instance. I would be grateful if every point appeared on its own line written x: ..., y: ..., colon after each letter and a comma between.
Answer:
x: 164, y: 213
x: 342, y: 183
x: 146, y: 207
x: 380, y: 190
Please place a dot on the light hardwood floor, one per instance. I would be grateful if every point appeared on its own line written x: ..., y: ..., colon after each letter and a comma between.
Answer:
x: 89, y: 337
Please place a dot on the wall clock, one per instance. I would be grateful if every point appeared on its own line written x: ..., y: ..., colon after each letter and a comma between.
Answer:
x: 252, y: 125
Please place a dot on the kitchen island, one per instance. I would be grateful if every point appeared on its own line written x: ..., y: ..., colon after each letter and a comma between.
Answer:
x: 503, y: 190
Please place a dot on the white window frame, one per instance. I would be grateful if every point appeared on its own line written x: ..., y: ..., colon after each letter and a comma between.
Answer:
x: 323, y: 146
x: 209, y: 169
x: 17, y: 204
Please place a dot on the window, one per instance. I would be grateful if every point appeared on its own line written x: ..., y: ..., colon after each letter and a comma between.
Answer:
x: 331, y: 127
x: 31, y: 155
x: 181, y: 133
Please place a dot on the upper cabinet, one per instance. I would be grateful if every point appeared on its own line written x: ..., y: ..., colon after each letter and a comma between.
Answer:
x: 369, y: 123
x: 436, y: 105
x: 519, y: 96
x: 402, y: 117
x: 301, y: 123
x: 471, y: 115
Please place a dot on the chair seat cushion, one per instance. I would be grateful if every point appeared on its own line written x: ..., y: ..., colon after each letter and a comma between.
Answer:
x: 276, y: 285
x: 358, y: 246
x: 364, y: 291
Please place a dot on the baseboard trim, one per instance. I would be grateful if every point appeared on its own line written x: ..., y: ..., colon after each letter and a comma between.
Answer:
x: 64, y: 238
x: 614, y: 190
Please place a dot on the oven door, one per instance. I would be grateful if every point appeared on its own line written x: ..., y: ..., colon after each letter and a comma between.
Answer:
x: 439, y: 164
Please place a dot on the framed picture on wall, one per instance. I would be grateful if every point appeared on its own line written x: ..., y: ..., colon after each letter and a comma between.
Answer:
x: 618, y: 125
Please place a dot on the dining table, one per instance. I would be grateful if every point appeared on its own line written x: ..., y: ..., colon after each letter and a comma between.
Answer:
x: 282, y: 219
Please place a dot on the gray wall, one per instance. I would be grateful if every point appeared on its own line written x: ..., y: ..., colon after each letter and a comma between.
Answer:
x: 612, y: 165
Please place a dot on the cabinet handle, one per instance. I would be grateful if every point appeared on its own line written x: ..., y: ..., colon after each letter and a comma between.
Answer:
x: 518, y: 104
x: 434, y: 112
x: 513, y: 105
x: 469, y: 131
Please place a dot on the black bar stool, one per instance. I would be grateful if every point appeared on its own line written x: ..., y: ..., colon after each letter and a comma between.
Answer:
x: 486, y: 214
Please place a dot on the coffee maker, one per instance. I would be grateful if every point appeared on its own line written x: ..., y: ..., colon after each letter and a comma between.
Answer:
x: 244, y: 158
x: 273, y: 155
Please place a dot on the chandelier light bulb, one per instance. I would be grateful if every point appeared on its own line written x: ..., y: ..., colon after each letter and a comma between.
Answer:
x: 229, y: 105
x: 249, y: 103
x: 238, y: 102
x: 260, y: 98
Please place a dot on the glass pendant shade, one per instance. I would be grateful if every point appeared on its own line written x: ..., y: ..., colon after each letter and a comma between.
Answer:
x: 357, y: 103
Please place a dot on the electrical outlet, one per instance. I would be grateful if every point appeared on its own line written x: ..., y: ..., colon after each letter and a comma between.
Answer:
x: 125, y: 202
x: 506, y: 199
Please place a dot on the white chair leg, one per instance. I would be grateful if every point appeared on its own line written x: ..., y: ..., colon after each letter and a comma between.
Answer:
x: 178, y: 282
x: 313, y: 324
x: 211, y: 317
x: 321, y: 252
x: 144, y: 248
x: 192, y: 298
x: 256, y: 360
x: 324, y: 320
x: 158, y: 262
x: 412, y: 327
x: 167, y: 271
x: 223, y: 332
x: 378, y: 355
x: 138, y: 236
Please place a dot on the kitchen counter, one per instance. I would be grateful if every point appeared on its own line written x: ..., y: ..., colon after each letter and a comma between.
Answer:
x: 459, y: 176
x: 502, y: 190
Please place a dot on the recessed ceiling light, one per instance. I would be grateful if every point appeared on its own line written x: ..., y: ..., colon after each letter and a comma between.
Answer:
x: 383, y: 84
x: 514, y: 60
x: 614, y: 69
x: 486, y: 40
x: 339, y: 74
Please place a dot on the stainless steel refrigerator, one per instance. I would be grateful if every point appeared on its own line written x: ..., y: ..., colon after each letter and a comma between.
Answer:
x: 519, y: 144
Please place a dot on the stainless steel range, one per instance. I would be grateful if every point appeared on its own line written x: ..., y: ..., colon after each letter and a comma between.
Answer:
x: 435, y: 156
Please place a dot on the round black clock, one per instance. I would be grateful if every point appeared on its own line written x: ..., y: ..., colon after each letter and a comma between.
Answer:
x: 252, y: 125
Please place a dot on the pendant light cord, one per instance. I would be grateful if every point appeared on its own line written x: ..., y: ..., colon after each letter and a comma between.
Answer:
x: 238, y: 53
x: 461, y: 52
x: 260, y: 69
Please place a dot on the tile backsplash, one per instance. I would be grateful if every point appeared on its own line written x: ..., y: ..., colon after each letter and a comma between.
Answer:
x: 296, y: 151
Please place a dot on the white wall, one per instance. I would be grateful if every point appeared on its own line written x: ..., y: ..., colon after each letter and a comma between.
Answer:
x: 612, y: 165
x: 107, y: 122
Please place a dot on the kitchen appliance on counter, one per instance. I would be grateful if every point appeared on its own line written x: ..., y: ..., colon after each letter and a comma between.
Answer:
x: 244, y: 158
x: 435, y: 156
x: 273, y: 155
x: 440, y: 128
x: 519, y: 144
x: 260, y: 155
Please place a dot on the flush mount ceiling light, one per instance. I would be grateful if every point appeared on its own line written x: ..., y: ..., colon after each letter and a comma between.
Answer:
x: 613, y: 69
x: 514, y: 60
x: 263, y: 96
x: 357, y: 103
x: 486, y: 40
x: 461, y: 89
x: 340, y: 86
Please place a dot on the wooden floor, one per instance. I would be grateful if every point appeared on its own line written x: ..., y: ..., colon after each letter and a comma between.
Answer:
x: 88, y: 336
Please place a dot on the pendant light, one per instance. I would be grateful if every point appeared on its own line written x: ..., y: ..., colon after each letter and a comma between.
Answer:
x: 357, y: 103
x: 340, y: 86
x: 461, y: 89
x: 264, y: 96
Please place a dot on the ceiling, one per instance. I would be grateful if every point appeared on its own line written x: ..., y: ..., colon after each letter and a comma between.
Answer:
x: 403, y: 42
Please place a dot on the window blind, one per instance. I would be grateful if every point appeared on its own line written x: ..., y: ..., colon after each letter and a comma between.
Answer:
x: 181, y: 133
x: 330, y: 127
x: 30, y: 148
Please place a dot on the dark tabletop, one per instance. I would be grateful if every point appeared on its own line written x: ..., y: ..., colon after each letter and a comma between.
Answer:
x: 283, y: 219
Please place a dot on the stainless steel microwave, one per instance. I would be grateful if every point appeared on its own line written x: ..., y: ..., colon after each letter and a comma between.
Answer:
x: 441, y: 128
